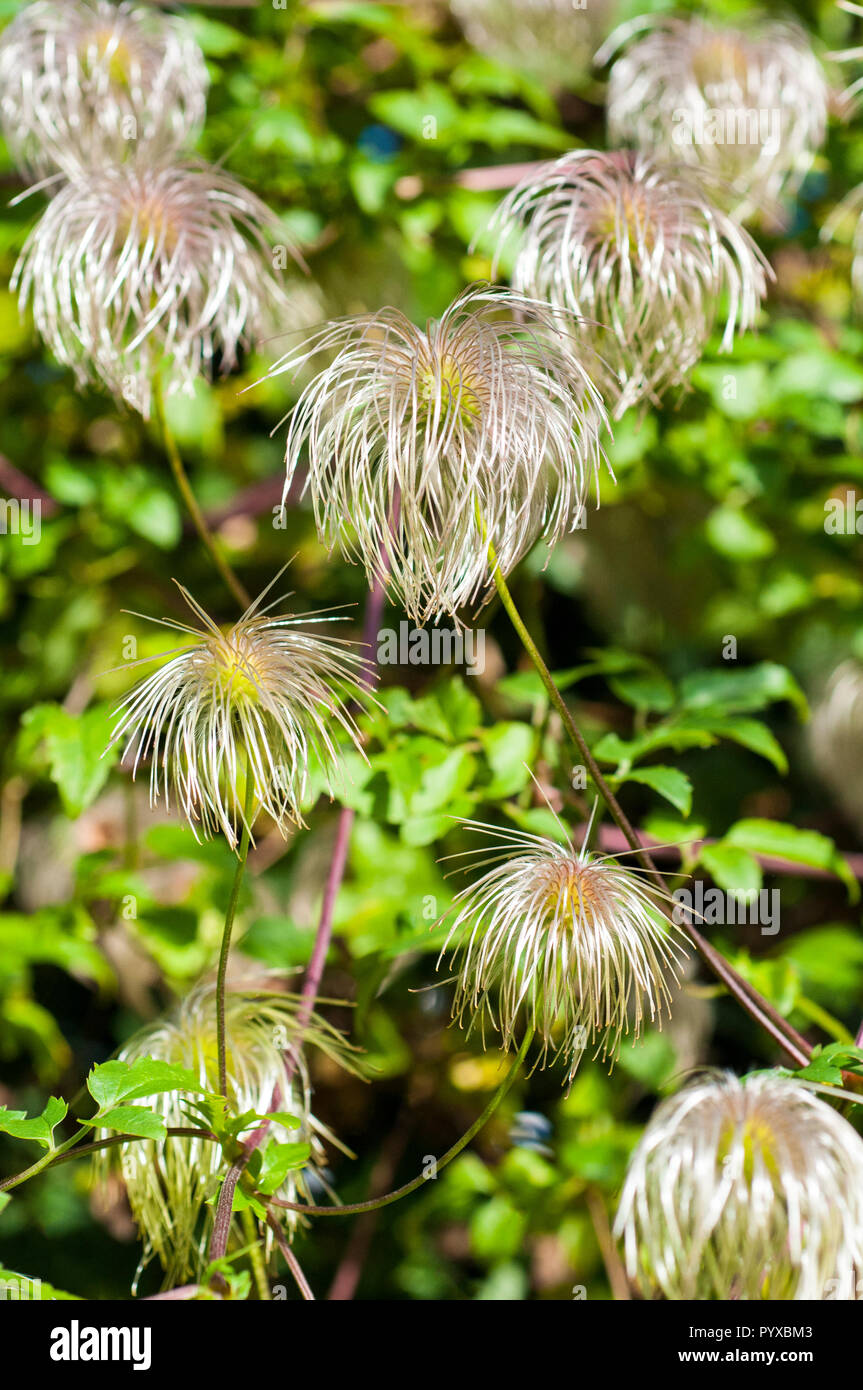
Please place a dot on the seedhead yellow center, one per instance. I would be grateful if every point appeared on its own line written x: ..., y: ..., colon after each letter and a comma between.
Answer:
x: 446, y: 385
x: 152, y: 220
x: 627, y: 212
x: 758, y: 1143
x: 578, y: 894
x: 718, y: 62
x: 104, y: 44
x: 233, y: 670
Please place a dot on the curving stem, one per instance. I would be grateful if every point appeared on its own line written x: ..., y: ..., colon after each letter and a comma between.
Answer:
x: 793, y: 1044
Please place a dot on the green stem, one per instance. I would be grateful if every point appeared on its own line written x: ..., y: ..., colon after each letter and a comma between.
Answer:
x: 375, y: 1203
x: 65, y: 1153
x: 792, y: 1043
x: 52, y: 1156
x: 259, y: 1269
x: 224, y: 950
x: 185, y: 489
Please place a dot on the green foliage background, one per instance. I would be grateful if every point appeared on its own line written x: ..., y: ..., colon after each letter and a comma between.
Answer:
x: 715, y: 528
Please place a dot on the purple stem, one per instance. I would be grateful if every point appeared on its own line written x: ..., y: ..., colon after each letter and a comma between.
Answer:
x: 338, y: 863
x: 183, y: 1291
x: 315, y: 969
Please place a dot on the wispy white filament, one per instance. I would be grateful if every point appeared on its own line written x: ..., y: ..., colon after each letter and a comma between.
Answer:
x: 553, y: 40
x: 568, y: 941
x: 264, y: 700
x: 745, y: 1190
x: 424, y: 444
x: 169, y: 1181
x: 146, y: 267
x: 85, y: 82
x: 642, y: 254
x: 836, y: 737
x: 747, y: 106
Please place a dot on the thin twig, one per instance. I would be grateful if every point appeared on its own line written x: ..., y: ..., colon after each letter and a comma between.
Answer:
x: 290, y: 1258
x: 617, y: 1279
x: 225, y: 947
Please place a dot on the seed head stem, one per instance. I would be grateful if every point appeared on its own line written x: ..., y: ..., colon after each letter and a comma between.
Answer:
x: 184, y: 487
x: 759, y: 1009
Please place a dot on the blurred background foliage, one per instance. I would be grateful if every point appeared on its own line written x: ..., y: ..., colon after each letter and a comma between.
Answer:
x: 356, y: 122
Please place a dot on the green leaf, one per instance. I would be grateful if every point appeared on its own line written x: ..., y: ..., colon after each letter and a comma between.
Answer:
x: 497, y: 1228
x: 749, y: 733
x: 738, y: 536
x: 646, y: 690
x: 674, y: 785
x: 243, y: 1200
x: 246, y: 1201
x: 156, y: 516
x: 538, y: 820
x: 523, y: 688
x: 279, y: 1160
x: 27, y: 1289
x: 749, y: 689
x: 828, y: 1063
x: 62, y: 936
x: 750, y: 395
x: 652, y: 1060
x: 829, y: 374
x: 216, y: 39
x: 75, y: 745
x: 778, y: 840
x: 451, y: 712
x: 733, y: 869
x: 778, y: 980
x: 624, y: 752
x: 830, y: 960
x: 40, y: 1129
x: 411, y: 111
x: 132, y: 1119
x: 509, y: 750
x: 114, y: 1082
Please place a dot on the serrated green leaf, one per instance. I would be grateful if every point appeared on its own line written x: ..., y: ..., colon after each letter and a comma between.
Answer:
x: 828, y: 1063
x: 117, y: 1081
x: 40, y: 1128
x: 669, y: 782
x: 279, y: 1160
x: 132, y: 1119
